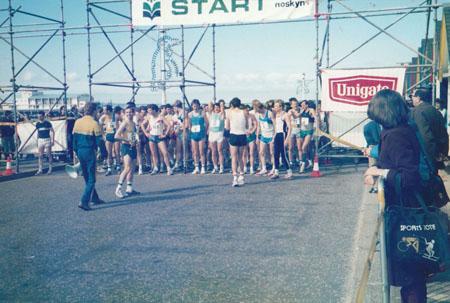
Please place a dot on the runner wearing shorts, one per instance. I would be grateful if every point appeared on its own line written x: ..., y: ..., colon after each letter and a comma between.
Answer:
x: 306, y: 131
x: 249, y: 151
x: 198, y: 125
x: 293, y: 136
x: 46, y: 139
x: 216, y: 122
x: 237, y: 123
x: 127, y: 134
x: 108, y: 126
x: 265, y: 134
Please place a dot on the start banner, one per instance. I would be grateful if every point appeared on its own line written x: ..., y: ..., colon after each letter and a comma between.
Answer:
x: 352, y: 90
x: 201, y: 12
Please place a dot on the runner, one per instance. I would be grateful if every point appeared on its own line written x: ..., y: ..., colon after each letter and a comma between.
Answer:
x: 127, y: 134
x: 139, y: 119
x: 117, y: 120
x: 293, y: 137
x: 306, y: 132
x: 216, y: 122
x: 249, y: 152
x: 108, y: 127
x: 236, y: 122
x: 265, y: 134
x: 45, y: 142
x: 157, y: 130
x: 281, y: 118
x: 177, y: 122
x: 198, y: 126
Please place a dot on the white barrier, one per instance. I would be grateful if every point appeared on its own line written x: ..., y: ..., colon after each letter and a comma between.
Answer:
x: 341, y: 122
x: 29, y: 145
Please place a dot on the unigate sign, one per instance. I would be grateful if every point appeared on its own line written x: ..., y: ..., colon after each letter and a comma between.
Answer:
x: 359, y: 90
x: 352, y: 90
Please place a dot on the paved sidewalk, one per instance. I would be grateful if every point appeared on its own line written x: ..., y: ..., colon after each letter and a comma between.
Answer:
x: 438, y: 285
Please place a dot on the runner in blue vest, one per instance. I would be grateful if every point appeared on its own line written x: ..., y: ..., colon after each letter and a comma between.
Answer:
x: 198, y: 125
x: 306, y: 131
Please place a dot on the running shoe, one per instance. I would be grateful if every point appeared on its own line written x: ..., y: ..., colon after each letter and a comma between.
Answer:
x: 245, y: 170
x: 288, y: 174
x: 252, y: 171
x: 221, y: 170
x: 132, y: 192
x: 240, y: 180
x: 154, y: 171
x: 196, y: 171
x: 309, y: 165
x: 119, y: 193
x: 49, y: 172
x: 214, y: 171
x: 271, y: 173
x: 302, y: 167
x: 274, y: 175
x: 39, y: 172
x: 170, y: 171
x: 235, y: 182
x: 118, y: 167
x: 203, y: 171
x: 262, y: 172
x: 108, y: 172
x: 140, y: 172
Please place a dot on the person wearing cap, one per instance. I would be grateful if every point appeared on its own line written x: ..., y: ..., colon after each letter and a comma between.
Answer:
x: 86, y: 138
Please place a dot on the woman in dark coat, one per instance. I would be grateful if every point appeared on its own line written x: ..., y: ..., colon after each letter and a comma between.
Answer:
x: 399, y: 152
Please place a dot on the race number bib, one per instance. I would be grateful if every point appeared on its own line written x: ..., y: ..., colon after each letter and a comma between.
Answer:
x: 305, y: 122
x: 297, y: 122
x: 132, y: 138
x: 195, y: 128
x: 215, y: 123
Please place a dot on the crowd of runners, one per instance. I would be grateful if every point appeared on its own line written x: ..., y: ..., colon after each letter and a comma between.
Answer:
x: 249, y: 139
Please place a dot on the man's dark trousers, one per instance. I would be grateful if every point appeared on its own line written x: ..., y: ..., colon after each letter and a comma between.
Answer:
x: 87, y: 159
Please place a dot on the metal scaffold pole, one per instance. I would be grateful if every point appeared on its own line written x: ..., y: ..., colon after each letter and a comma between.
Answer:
x: 162, y: 46
x: 435, y: 67
x: 63, y: 32
x: 133, y: 98
x: 214, y: 61
x: 13, y: 83
x: 317, y: 15
x: 328, y: 34
x: 183, y: 90
x: 88, y: 28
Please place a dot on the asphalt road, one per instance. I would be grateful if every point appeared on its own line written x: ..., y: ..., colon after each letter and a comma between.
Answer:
x: 185, y: 239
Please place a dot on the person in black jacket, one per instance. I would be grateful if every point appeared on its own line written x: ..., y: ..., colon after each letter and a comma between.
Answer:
x: 431, y: 125
x: 399, y: 152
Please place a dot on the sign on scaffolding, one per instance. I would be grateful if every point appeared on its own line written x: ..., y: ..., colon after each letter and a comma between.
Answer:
x: 351, y: 90
x: 183, y: 12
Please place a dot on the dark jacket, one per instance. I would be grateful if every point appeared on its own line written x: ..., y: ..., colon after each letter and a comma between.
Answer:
x: 432, y: 128
x: 399, y: 152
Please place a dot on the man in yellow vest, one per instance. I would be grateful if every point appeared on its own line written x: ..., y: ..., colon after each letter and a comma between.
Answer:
x: 86, y: 139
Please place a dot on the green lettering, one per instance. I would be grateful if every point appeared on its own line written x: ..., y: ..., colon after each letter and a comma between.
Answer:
x: 260, y: 5
x: 199, y: 5
x: 236, y: 5
x: 215, y: 7
x: 179, y: 7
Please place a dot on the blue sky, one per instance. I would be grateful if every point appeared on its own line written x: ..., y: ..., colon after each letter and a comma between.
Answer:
x: 257, y: 61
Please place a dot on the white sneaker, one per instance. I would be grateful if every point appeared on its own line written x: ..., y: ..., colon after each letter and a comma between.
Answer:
x: 288, y: 174
x: 39, y: 172
x: 49, y: 172
x: 235, y: 182
x: 240, y: 180
x: 196, y: 171
x: 170, y: 171
x: 203, y: 171
x: 245, y: 169
x: 140, y: 172
x: 262, y: 172
x: 221, y: 170
x: 274, y: 175
x: 252, y: 171
x: 119, y: 193
x: 309, y: 164
x: 302, y: 167
x: 175, y: 166
x: 154, y: 171
x: 214, y: 171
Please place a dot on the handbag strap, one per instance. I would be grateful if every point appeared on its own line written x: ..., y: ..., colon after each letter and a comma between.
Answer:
x: 429, y: 163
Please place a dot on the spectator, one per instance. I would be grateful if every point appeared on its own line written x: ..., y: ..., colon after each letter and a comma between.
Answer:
x: 431, y: 126
x: 7, y: 132
x: 398, y: 156
x: 72, y: 115
x: 441, y: 108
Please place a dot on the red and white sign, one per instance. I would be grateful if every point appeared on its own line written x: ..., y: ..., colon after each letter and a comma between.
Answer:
x: 352, y: 90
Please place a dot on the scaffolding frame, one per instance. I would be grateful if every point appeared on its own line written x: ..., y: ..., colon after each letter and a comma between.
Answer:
x: 15, y: 87
x: 22, y: 31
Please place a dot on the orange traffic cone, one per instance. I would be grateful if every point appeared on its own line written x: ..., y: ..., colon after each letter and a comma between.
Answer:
x: 8, y: 171
x: 316, y: 171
